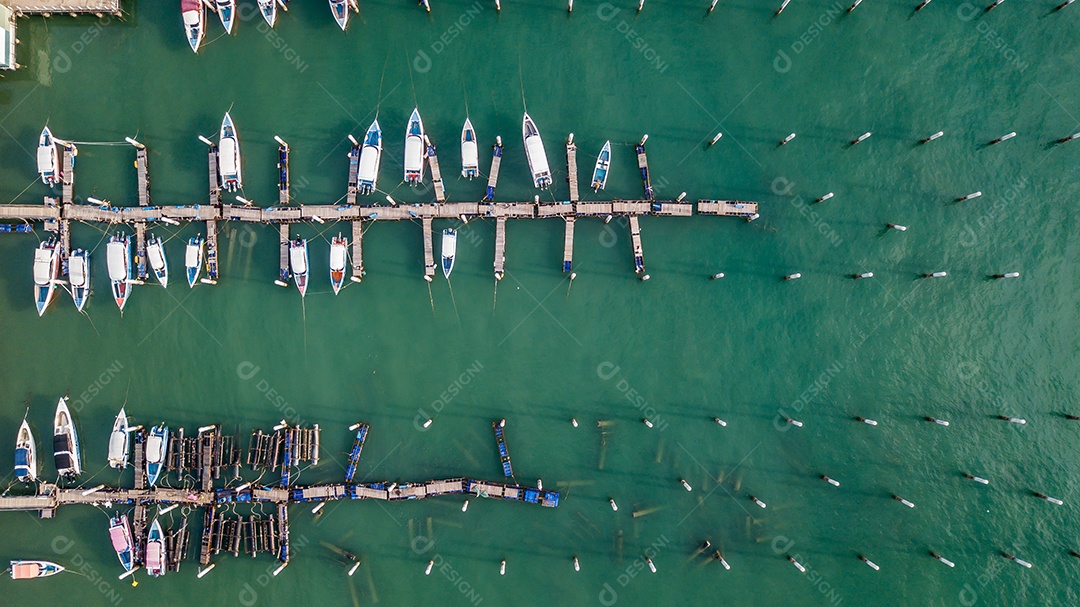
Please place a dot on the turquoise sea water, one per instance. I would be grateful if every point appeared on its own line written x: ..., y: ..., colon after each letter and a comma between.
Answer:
x: 679, y: 348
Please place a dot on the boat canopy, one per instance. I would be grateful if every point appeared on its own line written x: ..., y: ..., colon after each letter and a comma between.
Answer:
x: 46, y: 158
x: 43, y: 266
x: 227, y: 156
x: 298, y: 259
x: 153, y: 555
x: 337, y: 257
x: 537, y: 157
x: 77, y: 271
x: 154, y: 449
x: 117, y: 444
x: 119, y: 539
x: 190, y: 5
x: 25, y: 571
x: 369, y: 164
x: 449, y: 244
x: 22, y: 457
x: 156, y: 256
x: 191, y: 255
x: 414, y: 153
x: 117, y: 254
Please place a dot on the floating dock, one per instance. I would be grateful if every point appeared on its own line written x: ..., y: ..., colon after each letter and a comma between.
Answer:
x: 143, y: 171
x: 635, y: 240
x: 283, y: 250
x: 283, y: 173
x: 429, y: 254
x: 354, y: 175
x: 568, y: 244
x: 493, y: 176
x: 504, y: 454
x: 357, y: 250
x: 500, y: 247
x: 354, y: 455
x: 643, y: 166
x: 436, y: 175
x: 67, y: 179
x: 571, y: 168
x: 140, y: 250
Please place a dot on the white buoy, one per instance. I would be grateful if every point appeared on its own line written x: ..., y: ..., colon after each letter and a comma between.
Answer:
x: 753, y: 217
x: 242, y: 487
x: 1052, y: 500
x: 794, y: 276
x: 169, y: 221
x: 613, y: 505
x: 1007, y: 275
x: 134, y: 143
x: 498, y: 7
x: 647, y: 423
x: 969, y: 196
x: 652, y: 567
x: 465, y: 506
x: 685, y: 484
x: 723, y: 562
x: 131, y: 572
x: 317, y: 219
x: 977, y: 479
x: 355, y: 566
x: 794, y: 422
x: 869, y: 563
x: 281, y: 283
x: 353, y: 140
x: 540, y: 484
x: 390, y: 199
x: 430, y: 564
x: 317, y: 508
x: 282, y: 141
x: 938, y: 134
x: 354, y: 427
x: 203, y: 572
x: 243, y: 200
x: 645, y: 277
x: 280, y: 568
x: 797, y: 564
x: 718, y: 276
x: 96, y: 201
x: 716, y: 138
x: 943, y: 559
x: 712, y: 5
x: 502, y: 567
x: 570, y: 9
x: 681, y: 197
x: 1006, y: 136
x: 644, y: 139
x: 720, y: 421
x: 852, y: 7
x: 577, y: 565
x: 574, y: 422
x: 428, y: 422
x: 824, y: 198
x: 786, y: 140
x: 831, y: 481
x: 864, y: 275
x: 208, y: 281
x: 206, y: 141
x: 93, y: 490
x: 895, y: 226
x: 903, y: 501
x: 1018, y: 561
x: 760, y: 503
x: 502, y: 423
x: 168, y: 509
x: 862, y: 138
x: 936, y: 275
x: 922, y: 5
x: 869, y: 422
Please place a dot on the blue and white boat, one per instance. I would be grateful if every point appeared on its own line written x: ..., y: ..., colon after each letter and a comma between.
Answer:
x: 155, y: 550
x: 268, y: 8
x: 340, y: 9
x: 600, y: 172
x: 48, y: 163
x: 26, y: 465
x: 120, y: 536
x: 66, y: 452
x: 193, y: 257
x: 298, y: 262
x: 449, y: 250
x: 118, y: 253
x: 155, y: 254
x: 194, y: 15
x: 226, y: 10
x: 157, y: 447
x: 534, y: 152
x: 79, y: 277
x: 367, y: 174
x: 470, y: 154
x: 119, y: 443
x: 46, y: 273
x: 414, y: 150
x: 229, y: 159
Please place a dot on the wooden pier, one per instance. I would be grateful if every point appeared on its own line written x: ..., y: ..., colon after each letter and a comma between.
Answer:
x: 635, y: 239
x: 429, y: 255
x: 500, y: 247
x: 65, y: 7
x: 357, y: 250
x: 568, y: 244
x: 215, y: 184
x: 140, y: 458
x: 493, y: 176
x: 571, y: 169
x: 354, y: 455
x: 354, y: 175
x: 67, y: 190
x: 138, y: 532
x: 143, y: 170
x: 504, y: 453
x: 283, y: 173
x: 211, y: 250
x: 283, y: 248
x: 140, y: 250
x: 643, y: 166
x: 176, y: 546
x: 436, y: 175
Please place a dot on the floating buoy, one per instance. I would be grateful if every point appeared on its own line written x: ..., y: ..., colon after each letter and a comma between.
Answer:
x: 852, y: 7
x: 502, y: 567
x: 977, y: 479
x: 831, y: 481
x: 864, y: 275
x: 280, y: 568
x: 645, y: 277
x: 1016, y: 560
x: 573, y: 421
x: 753, y: 217
x: 570, y: 9
x: 869, y: 422
x: 712, y: 5
x: 903, y: 501
x: 428, y: 422
x: 502, y: 423
x: 935, y: 275
x: 613, y: 505
x: 718, y: 276
x: 354, y: 427
x: 353, y: 140
x: 685, y: 484
x: 717, y: 138
x: 317, y: 508
x: 430, y: 564
x: 719, y: 421
x: 355, y: 566
x: 794, y: 422
x: 969, y: 196
x: 824, y: 198
x: 760, y: 503
x: 797, y: 564
x: 939, y: 133
x: 895, y: 226
x: 786, y: 140
x: 465, y: 506
x: 861, y: 138
x: 1013, y: 420
x: 649, y: 560
x: 720, y: 557
x: 937, y: 421
x: 942, y: 559
x: 782, y: 7
x: 1006, y: 136
x: 577, y: 565
x: 1052, y: 500
x: 1007, y: 275
x: 540, y: 484
x: 794, y: 276
x: 869, y: 563
x: 647, y: 423
x: 203, y: 572
x: 680, y: 197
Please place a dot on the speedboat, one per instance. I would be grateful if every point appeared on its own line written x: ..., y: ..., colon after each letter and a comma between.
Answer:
x: 48, y: 164
x: 46, y: 271
x: 66, y: 442
x: 600, y: 173
x: 120, y: 535
x: 155, y: 550
x: 119, y: 445
x: 26, y: 467
x: 268, y: 8
x: 229, y: 156
x: 79, y: 277
x: 449, y: 249
x: 534, y: 152
x: 226, y: 10
x: 298, y: 261
x: 338, y: 257
x: 341, y: 8
x: 470, y: 155
x: 370, y: 154
x: 414, y: 150
x: 155, y: 252
x: 157, y: 447
x: 26, y: 570
x: 193, y: 257
x: 118, y: 252
x: 194, y: 14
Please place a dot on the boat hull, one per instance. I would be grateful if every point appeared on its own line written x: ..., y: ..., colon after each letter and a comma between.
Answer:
x: 414, y: 150
x: 155, y: 550
x: 46, y: 272
x: 535, y: 154
x: 120, y: 536
x: 298, y: 263
x: 48, y: 163
x: 155, y: 253
x: 26, y: 468
x: 27, y: 570
x: 193, y: 13
x: 229, y: 159
x: 449, y: 251
x: 79, y: 278
x: 119, y: 445
x: 470, y: 153
x: 119, y: 261
x: 157, y: 447
x: 66, y: 452
x: 338, y: 261
x: 340, y: 10
x: 367, y: 172
x: 193, y: 256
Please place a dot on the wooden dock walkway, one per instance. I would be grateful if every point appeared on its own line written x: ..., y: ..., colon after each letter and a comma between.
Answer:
x: 140, y: 250
x: 429, y: 254
x: 283, y: 173
x: 568, y: 245
x: 211, y: 249
x: 67, y: 190
x: 357, y: 250
x: 215, y: 184
x: 143, y: 170
x: 571, y: 168
x: 354, y: 455
x: 140, y: 458
x: 643, y: 166
x: 635, y: 239
x: 493, y: 176
x: 436, y: 175
x: 283, y: 248
x: 68, y: 7
x: 354, y: 175
x: 728, y: 208
x: 500, y: 247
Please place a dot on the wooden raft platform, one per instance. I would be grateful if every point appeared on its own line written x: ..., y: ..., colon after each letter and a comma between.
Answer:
x: 436, y: 175
x: 571, y: 168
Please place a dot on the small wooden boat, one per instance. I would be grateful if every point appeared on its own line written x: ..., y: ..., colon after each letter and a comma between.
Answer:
x: 79, y: 277
x: 340, y: 9
x: 194, y: 14
x: 157, y: 448
x: 119, y: 445
x: 600, y: 172
x: 449, y: 250
x: 155, y: 550
x: 268, y: 8
x: 229, y: 160
x: 46, y: 273
x: 26, y: 465
x: 193, y: 257
x: 414, y: 149
x: 226, y: 10
x: 48, y: 163
x: 155, y: 253
x: 66, y: 450
x: 118, y: 253
x: 26, y: 570
x: 339, y: 248
x: 120, y: 536
x: 534, y: 152
x: 367, y: 174
x: 470, y: 154
x: 298, y: 261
